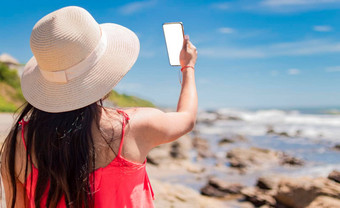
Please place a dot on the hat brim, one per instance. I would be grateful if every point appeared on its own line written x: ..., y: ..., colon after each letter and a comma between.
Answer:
x: 120, y: 55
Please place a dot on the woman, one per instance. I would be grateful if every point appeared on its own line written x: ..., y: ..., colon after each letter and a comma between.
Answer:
x: 66, y: 149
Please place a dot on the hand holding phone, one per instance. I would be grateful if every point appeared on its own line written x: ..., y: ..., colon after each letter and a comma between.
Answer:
x: 174, y: 36
x: 188, y: 54
x: 181, y: 51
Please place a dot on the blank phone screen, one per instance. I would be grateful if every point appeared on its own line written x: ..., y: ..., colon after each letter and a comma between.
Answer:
x: 173, y: 33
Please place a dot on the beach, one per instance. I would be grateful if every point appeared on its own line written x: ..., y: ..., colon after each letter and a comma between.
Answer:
x: 256, y: 158
x: 247, y: 158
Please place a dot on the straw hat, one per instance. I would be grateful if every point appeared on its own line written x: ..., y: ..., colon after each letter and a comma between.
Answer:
x: 76, y: 61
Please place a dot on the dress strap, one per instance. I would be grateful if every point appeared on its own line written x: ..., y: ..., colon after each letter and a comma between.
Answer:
x: 125, y: 120
x: 147, y: 185
x: 23, y: 123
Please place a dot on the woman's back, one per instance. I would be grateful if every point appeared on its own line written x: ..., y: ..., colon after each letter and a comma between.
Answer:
x: 119, y: 182
x: 73, y: 151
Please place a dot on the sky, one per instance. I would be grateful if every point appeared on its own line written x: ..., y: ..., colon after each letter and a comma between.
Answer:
x: 251, y: 54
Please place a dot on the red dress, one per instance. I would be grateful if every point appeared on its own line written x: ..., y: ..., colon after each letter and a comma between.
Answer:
x: 122, y: 183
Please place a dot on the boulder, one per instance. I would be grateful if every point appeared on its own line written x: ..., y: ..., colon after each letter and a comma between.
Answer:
x: 337, y: 147
x: 324, y: 202
x: 290, y: 160
x: 258, y: 197
x: 335, y: 176
x: 158, y: 155
x: 301, y: 192
x: 244, y: 158
x: 225, y: 140
x: 202, y: 146
x: 271, y: 130
x: 180, y: 148
x: 175, y: 195
x: 218, y: 188
x: 232, y: 139
x: 267, y: 183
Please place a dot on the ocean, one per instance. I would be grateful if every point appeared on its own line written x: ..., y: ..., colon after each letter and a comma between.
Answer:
x: 309, y: 134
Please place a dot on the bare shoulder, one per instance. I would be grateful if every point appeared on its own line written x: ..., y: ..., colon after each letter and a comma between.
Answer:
x: 142, y: 113
x: 144, y: 117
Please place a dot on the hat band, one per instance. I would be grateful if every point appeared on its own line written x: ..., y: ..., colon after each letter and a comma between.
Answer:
x: 88, y: 63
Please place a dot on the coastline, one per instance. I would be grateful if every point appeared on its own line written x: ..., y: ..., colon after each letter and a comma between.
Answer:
x: 241, y: 159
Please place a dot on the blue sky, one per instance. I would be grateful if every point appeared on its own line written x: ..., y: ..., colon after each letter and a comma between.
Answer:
x: 254, y: 53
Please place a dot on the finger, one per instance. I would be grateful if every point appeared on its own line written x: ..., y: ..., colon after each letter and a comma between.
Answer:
x: 191, y: 46
x: 185, y: 42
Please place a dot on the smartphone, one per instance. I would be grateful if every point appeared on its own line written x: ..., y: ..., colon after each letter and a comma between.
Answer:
x: 174, y: 36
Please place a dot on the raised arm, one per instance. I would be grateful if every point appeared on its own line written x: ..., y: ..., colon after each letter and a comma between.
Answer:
x: 158, y: 127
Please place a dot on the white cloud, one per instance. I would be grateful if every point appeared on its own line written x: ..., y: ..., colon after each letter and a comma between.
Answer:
x: 277, y: 3
x: 333, y: 69
x: 276, y: 6
x: 322, y: 28
x: 221, y: 6
x: 298, y: 48
x: 288, y: 6
x: 136, y: 6
x: 293, y: 71
x: 226, y: 30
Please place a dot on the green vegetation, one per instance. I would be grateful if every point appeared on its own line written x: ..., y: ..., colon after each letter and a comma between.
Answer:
x: 11, y: 96
x: 10, y: 92
x: 9, y: 76
x: 123, y: 100
x: 6, y: 106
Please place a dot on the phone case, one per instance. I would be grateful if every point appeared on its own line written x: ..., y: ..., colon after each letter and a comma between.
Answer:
x: 181, y: 23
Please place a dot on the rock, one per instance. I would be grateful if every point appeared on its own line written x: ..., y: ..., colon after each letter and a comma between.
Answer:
x: 180, y: 148
x: 176, y: 195
x: 225, y: 140
x: 192, y: 167
x: 243, y: 158
x: 335, y: 176
x: 231, y: 188
x: 324, y: 202
x: 301, y: 192
x: 202, y: 147
x: 219, y: 188
x: 270, y: 130
x: 284, y: 134
x: 157, y: 155
x: 290, y: 160
x: 258, y: 197
x: 298, y: 133
x: 232, y: 139
x: 211, y: 191
x: 267, y: 183
x: 337, y: 147
x: 235, y: 163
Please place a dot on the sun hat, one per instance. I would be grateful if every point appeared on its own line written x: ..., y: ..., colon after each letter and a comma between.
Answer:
x: 76, y: 61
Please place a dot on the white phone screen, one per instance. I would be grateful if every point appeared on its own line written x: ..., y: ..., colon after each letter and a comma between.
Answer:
x: 173, y: 33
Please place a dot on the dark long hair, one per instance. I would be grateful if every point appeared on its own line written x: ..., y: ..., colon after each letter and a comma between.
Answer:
x: 63, y: 146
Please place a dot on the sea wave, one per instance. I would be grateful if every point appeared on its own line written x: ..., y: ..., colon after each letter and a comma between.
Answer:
x: 260, y: 122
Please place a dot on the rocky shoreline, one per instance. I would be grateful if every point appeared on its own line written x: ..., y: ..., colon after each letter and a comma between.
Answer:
x: 190, y: 172
x: 173, y: 164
